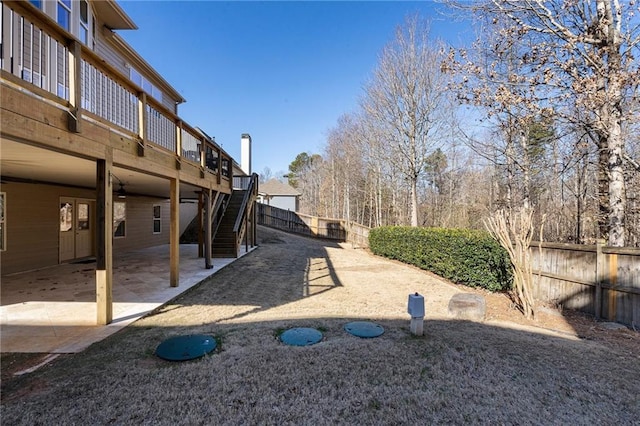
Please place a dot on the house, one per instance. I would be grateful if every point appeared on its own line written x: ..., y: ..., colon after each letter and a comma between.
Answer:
x: 277, y: 194
x: 95, y: 159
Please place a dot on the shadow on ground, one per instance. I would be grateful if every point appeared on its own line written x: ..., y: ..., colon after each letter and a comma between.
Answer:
x: 459, y: 372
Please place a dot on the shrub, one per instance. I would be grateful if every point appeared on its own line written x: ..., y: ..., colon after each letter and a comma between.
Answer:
x: 464, y: 256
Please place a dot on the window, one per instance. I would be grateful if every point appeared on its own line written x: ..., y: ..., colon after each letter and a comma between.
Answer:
x: 64, y: 14
x: 157, y: 219
x: 139, y: 80
x: 37, y: 3
x: 119, y: 219
x: 84, y: 22
x: 66, y: 217
x: 3, y: 222
x: 83, y: 216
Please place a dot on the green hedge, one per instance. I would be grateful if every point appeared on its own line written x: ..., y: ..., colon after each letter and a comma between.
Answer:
x: 464, y: 256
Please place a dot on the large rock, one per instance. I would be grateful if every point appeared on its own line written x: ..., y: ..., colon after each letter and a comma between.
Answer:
x: 467, y: 306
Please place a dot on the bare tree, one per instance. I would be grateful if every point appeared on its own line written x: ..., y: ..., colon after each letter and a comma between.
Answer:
x: 265, y: 175
x: 408, y: 98
x: 514, y: 234
x: 582, y: 53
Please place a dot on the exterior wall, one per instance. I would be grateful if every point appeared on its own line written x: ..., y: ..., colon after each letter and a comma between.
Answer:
x: 107, y: 51
x: 33, y: 221
x: 139, y: 224
x: 284, y: 202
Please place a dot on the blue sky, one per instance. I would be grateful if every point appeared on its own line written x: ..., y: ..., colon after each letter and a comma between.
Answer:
x: 281, y: 71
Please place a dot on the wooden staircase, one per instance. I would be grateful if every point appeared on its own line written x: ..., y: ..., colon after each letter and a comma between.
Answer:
x: 238, y: 221
x: 224, y: 242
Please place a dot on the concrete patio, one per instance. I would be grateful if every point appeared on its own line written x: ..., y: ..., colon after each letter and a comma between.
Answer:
x: 53, y: 310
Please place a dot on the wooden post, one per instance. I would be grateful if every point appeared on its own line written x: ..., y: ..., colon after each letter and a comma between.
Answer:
x: 104, y: 241
x: 219, y: 169
x: 255, y: 224
x: 178, y: 145
x: 142, y: 123
x: 600, y: 278
x: 202, y: 195
x: 203, y: 156
x: 613, y: 281
x: 246, y: 229
x: 206, y: 194
x: 174, y: 231
x: 75, y: 86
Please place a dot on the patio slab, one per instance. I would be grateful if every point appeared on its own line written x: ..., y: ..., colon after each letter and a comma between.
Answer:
x: 53, y: 310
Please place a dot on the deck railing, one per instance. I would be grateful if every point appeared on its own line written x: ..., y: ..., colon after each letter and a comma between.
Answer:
x: 54, y: 64
x: 104, y: 97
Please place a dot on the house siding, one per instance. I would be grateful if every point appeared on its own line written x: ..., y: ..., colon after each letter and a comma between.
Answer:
x: 106, y: 51
x: 284, y: 202
x: 33, y: 221
x: 32, y: 218
x: 139, y: 225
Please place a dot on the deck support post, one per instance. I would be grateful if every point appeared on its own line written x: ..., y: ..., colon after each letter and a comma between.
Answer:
x: 104, y: 242
x: 207, y: 229
x: 174, y: 231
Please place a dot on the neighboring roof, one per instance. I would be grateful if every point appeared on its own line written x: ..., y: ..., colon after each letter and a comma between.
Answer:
x: 275, y: 187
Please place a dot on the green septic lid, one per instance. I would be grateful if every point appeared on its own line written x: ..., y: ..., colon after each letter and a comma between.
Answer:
x: 301, y: 336
x: 364, y: 329
x: 184, y: 348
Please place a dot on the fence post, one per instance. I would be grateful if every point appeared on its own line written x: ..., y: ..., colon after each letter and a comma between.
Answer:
x: 613, y: 278
x: 600, y: 278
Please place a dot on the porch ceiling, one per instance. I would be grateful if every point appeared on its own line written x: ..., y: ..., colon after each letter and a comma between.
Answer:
x: 29, y: 163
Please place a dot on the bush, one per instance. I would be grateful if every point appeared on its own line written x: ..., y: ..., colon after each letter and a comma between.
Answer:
x: 464, y: 256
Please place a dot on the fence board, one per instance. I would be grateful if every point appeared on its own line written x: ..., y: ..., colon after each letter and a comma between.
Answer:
x: 569, y: 275
x: 313, y: 226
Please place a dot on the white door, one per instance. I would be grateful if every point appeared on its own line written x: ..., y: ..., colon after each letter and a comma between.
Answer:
x: 76, y: 228
x: 84, y: 228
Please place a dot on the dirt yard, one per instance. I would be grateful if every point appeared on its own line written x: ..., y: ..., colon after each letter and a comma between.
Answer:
x: 561, y: 368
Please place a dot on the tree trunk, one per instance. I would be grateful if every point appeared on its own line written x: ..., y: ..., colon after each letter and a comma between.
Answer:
x: 414, y: 201
x: 617, y: 202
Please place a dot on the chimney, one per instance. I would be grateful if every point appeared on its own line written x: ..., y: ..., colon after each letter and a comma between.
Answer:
x: 245, y: 153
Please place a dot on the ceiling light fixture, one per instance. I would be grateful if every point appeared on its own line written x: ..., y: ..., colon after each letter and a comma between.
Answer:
x: 121, y: 192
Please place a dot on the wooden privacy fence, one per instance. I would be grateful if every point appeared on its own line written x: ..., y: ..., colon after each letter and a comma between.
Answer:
x: 313, y: 226
x: 603, y: 281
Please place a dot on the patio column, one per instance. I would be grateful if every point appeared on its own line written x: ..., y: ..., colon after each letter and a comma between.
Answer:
x: 201, y: 226
x: 104, y: 242
x: 207, y: 228
x: 174, y: 231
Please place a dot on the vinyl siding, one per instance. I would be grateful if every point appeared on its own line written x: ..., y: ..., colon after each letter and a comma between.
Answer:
x: 33, y: 221
x: 284, y: 202
x: 32, y: 224
x: 106, y: 50
x: 139, y: 225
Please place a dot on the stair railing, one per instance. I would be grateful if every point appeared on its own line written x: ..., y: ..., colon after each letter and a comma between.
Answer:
x: 248, y: 202
x: 217, y: 212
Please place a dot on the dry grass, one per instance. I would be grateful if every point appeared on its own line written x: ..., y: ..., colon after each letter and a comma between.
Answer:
x: 459, y: 372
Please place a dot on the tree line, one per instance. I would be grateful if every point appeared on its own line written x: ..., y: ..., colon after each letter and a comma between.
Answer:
x: 541, y: 113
